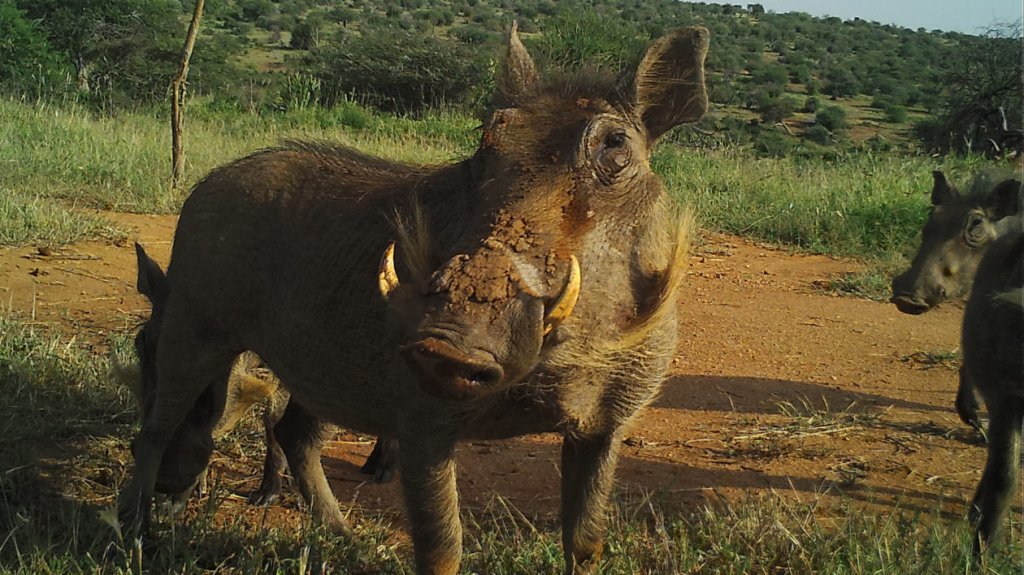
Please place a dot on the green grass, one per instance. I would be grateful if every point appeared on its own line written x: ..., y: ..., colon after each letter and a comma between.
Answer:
x: 64, y: 450
x: 57, y: 158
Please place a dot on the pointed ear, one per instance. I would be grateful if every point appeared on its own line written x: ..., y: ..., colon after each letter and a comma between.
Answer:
x: 151, y: 281
x: 1005, y: 199
x: 669, y: 88
x: 942, y: 191
x: 518, y: 73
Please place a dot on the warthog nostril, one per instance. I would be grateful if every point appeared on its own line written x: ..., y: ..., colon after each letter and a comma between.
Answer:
x: 449, y: 372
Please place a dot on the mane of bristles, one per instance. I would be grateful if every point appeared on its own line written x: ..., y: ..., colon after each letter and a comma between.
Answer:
x: 413, y: 232
x: 634, y: 346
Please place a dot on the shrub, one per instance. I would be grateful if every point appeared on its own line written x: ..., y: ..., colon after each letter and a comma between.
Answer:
x: 819, y: 135
x: 27, y: 64
x: 895, y: 114
x: 589, y: 40
x: 772, y: 144
x: 832, y: 118
x: 401, y: 70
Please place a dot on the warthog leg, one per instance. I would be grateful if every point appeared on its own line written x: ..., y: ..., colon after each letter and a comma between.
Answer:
x: 273, y: 462
x: 428, y: 482
x: 966, y: 403
x: 588, y: 469
x: 188, y: 365
x: 300, y: 434
x: 1006, y: 415
x: 383, y: 460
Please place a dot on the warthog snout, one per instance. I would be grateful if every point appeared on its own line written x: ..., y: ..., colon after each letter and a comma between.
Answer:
x: 447, y: 372
x: 908, y: 297
x: 465, y: 317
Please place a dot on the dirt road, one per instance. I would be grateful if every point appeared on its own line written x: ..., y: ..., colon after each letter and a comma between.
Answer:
x: 778, y: 385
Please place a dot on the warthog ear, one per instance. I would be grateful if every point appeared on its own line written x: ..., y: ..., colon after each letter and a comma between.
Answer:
x: 669, y: 87
x: 151, y: 281
x: 518, y: 73
x: 942, y: 191
x: 1005, y: 199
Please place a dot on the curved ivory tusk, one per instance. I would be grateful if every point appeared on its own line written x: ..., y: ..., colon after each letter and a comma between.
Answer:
x: 387, y: 277
x: 562, y: 307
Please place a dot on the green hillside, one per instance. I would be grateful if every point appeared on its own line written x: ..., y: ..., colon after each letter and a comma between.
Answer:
x: 779, y: 82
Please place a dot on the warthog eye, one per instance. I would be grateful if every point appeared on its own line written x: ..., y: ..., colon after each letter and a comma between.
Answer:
x: 615, y: 140
x: 974, y: 231
x: 614, y: 155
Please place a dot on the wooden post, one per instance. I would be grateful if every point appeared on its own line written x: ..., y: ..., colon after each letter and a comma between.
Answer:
x: 178, y: 97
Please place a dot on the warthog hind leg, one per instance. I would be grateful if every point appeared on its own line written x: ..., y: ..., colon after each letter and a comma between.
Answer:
x: 383, y: 460
x: 273, y: 462
x: 300, y: 435
x: 966, y: 403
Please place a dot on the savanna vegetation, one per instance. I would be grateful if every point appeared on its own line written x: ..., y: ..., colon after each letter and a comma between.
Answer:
x: 822, y: 136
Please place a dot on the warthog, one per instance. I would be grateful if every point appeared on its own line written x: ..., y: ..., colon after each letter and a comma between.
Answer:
x: 529, y: 288
x: 993, y: 362
x: 959, y: 230
x: 248, y: 384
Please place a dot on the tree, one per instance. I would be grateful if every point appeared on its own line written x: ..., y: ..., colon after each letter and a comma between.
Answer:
x: 979, y: 107
x: 178, y: 96
x: 121, y: 49
x: 27, y: 63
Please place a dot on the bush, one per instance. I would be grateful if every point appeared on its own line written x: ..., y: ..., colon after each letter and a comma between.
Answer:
x: 819, y: 135
x: 772, y: 144
x: 895, y: 114
x: 776, y: 109
x: 401, y: 70
x: 27, y: 64
x: 832, y: 118
x: 577, y: 40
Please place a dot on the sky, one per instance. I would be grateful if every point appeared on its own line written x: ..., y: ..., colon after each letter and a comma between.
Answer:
x: 967, y: 16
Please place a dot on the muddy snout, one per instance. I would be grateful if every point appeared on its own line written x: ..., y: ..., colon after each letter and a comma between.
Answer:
x: 448, y: 372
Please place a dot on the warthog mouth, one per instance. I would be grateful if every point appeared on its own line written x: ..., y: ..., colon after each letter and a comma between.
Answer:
x: 910, y: 305
x: 444, y: 371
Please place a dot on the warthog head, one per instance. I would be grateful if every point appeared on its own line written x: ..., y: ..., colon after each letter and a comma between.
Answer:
x: 557, y: 205
x: 188, y: 453
x: 958, y: 231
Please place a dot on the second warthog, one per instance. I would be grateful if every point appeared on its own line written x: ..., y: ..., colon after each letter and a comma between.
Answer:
x: 993, y: 350
x: 529, y: 288
x: 959, y: 230
x: 249, y: 383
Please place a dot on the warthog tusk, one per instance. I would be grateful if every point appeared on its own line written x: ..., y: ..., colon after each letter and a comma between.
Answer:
x: 562, y: 307
x: 387, y: 277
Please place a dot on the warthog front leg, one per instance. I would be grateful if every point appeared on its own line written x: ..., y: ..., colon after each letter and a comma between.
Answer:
x: 1001, y: 469
x: 300, y: 434
x: 588, y: 468
x: 432, y: 502
x: 966, y: 403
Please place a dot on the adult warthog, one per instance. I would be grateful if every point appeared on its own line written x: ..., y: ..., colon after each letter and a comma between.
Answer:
x: 529, y: 288
x: 993, y: 351
x: 959, y: 230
